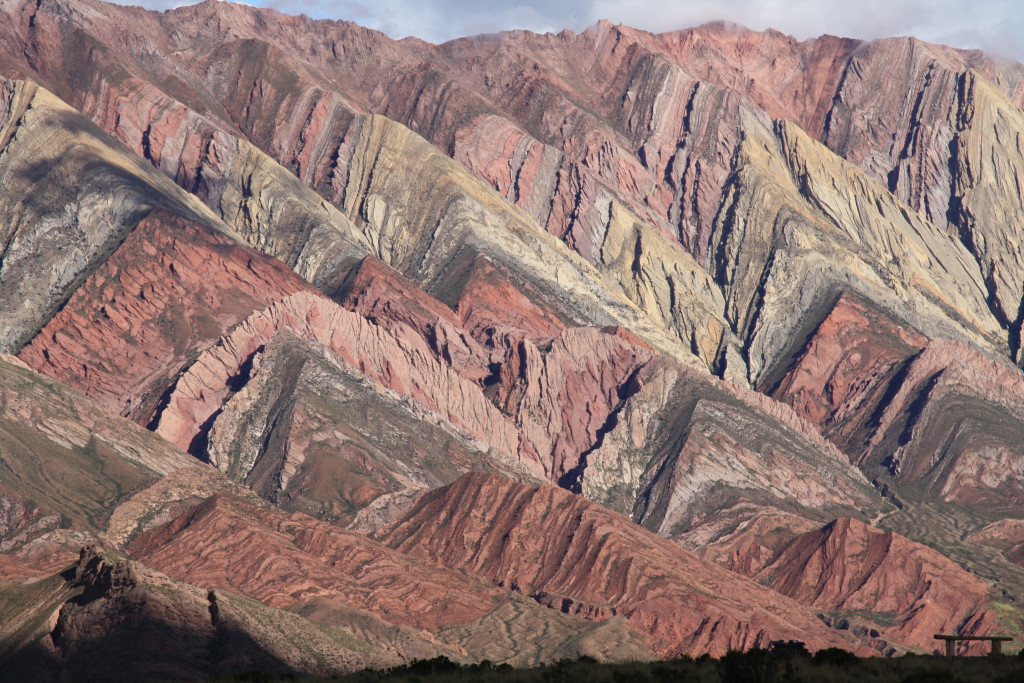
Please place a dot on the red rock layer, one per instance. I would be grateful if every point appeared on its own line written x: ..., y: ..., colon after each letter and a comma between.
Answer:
x: 937, y: 415
x: 491, y: 304
x: 848, y: 566
x: 574, y: 555
x: 558, y: 385
x: 171, y: 289
x: 400, y: 361
x: 838, y: 379
x: 386, y: 298
x: 283, y: 559
x: 552, y: 122
x: 952, y: 428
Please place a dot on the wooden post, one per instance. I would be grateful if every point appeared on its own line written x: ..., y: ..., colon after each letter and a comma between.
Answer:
x: 950, y: 648
x: 997, y: 647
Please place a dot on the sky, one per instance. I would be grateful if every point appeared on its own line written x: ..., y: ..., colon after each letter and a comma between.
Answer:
x: 993, y: 25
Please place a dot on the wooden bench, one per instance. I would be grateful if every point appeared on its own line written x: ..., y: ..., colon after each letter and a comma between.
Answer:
x: 996, y: 641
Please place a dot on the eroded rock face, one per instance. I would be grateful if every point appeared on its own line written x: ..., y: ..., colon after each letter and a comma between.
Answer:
x: 687, y: 448
x: 66, y: 462
x: 952, y: 428
x: 97, y: 191
x: 625, y: 145
x: 227, y: 543
x: 908, y: 589
x: 102, y: 618
x: 171, y: 289
x: 838, y: 380
x: 511, y: 534
x: 354, y: 269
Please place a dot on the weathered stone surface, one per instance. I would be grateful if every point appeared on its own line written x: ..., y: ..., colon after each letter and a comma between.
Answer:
x: 171, y: 289
x: 611, y: 139
x: 566, y: 552
x: 403, y: 364
x: 71, y: 194
x: 531, y: 252
x: 311, y: 433
x: 327, y: 574
x: 952, y: 429
x: 687, y: 447
x: 910, y: 590
x: 1005, y: 534
x: 103, y: 619
x: 839, y: 378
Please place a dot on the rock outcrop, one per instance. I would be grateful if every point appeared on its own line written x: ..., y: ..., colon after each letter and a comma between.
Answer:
x: 103, y: 618
x: 328, y: 574
x: 729, y: 285
x: 169, y: 290
x: 855, y: 571
x: 97, y: 191
x: 568, y: 553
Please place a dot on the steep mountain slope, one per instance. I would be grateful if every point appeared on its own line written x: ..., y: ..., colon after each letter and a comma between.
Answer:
x: 849, y: 567
x: 320, y: 152
x: 714, y: 280
x: 97, y: 192
x: 537, y: 407
x: 102, y: 618
x: 58, y: 624
x: 563, y: 551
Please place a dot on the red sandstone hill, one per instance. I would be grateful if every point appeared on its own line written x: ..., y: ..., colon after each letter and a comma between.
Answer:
x: 324, y: 319
x: 575, y: 556
x: 912, y: 591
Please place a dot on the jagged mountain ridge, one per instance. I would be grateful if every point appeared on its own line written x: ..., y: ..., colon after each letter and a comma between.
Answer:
x: 551, y: 302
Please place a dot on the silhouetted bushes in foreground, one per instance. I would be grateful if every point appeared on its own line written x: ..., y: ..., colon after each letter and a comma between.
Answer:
x: 787, y: 664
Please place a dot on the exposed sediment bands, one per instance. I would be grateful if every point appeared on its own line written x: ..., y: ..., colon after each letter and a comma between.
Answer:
x: 913, y: 591
x: 386, y: 298
x: 170, y: 290
x: 282, y: 558
x: 76, y: 624
x: 949, y: 145
x: 838, y: 380
x: 610, y: 138
x: 686, y: 447
x: 73, y: 421
x: 832, y: 229
x: 937, y: 415
x: 1006, y: 534
x: 96, y: 191
x: 492, y: 301
x: 421, y: 212
x: 952, y: 429
x: 536, y: 541
x: 345, y: 270
x: 585, y: 410
x: 310, y: 433
x: 987, y: 196
x: 543, y: 409
x: 402, y: 363
x: 331, y: 575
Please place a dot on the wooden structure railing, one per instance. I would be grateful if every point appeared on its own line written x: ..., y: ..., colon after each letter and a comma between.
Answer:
x: 996, y: 641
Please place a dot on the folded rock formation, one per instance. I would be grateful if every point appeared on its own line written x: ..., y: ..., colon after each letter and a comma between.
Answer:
x: 337, y: 351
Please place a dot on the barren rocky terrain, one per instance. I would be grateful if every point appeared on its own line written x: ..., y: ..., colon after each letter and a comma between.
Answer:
x: 325, y: 351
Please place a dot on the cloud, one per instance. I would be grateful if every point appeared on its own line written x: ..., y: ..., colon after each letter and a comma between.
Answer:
x: 995, y: 25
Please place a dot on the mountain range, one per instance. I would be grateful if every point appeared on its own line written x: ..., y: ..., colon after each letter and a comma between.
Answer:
x: 321, y: 350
